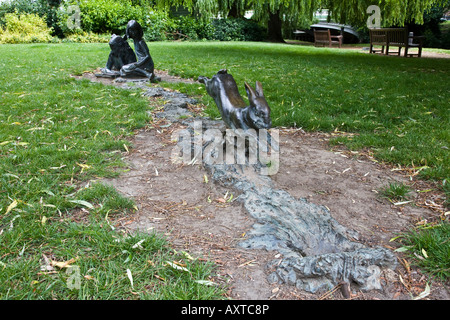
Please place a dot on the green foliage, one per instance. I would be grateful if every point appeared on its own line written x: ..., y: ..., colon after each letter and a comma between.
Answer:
x: 195, y: 29
x: 393, y: 12
x: 445, y: 40
x: 24, y: 28
x: 230, y: 29
x: 395, y: 191
x: 105, y: 198
x: 159, y: 25
x: 395, y: 106
x: 46, y: 9
x: 238, y: 29
x: 57, y: 134
x: 20, y: 6
x: 429, y: 247
x: 433, y: 28
x: 102, y: 16
x: 80, y: 36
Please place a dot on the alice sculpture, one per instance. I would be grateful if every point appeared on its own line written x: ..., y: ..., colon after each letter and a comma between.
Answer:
x: 123, y: 62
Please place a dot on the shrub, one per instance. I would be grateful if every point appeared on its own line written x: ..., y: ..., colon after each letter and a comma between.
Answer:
x: 20, y: 6
x: 158, y: 26
x: 195, y: 29
x: 25, y: 28
x: 238, y: 29
x: 46, y: 9
x: 86, y: 37
x: 103, y: 16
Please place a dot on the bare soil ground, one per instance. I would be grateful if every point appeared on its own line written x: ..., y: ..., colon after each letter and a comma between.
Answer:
x: 194, y: 213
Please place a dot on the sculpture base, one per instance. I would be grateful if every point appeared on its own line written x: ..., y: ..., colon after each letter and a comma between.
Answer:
x: 317, y: 250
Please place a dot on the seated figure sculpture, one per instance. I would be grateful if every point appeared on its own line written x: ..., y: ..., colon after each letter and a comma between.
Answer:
x: 121, y: 54
x: 144, y: 65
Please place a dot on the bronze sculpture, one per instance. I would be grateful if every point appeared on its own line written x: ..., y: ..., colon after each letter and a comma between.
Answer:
x: 144, y: 65
x: 236, y: 115
x: 120, y: 56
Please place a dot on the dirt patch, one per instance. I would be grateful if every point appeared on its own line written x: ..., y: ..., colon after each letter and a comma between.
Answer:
x: 164, y: 75
x: 197, y: 215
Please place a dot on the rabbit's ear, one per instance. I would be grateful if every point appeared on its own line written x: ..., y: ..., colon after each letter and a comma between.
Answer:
x: 259, y: 89
x: 250, y: 92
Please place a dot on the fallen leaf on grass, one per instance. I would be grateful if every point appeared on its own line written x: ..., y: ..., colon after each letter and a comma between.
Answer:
x: 11, y: 206
x: 176, y: 266
x: 206, y: 282
x: 63, y: 264
x: 138, y: 244
x: 187, y: 255
x: 130, y: 276
x: 83, y: 166
x: 160, y: 278
x: 418, y: 256
x: 82, y: 202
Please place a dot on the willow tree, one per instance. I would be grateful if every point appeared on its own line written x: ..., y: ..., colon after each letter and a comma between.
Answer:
x: 277, y: 12
x: 393, y: 12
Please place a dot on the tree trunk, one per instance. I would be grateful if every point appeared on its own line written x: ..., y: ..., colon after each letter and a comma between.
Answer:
x: 274, y: 26
x: 233, y: 13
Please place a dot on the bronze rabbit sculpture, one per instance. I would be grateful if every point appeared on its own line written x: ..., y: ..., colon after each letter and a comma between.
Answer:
x: 236, y: 115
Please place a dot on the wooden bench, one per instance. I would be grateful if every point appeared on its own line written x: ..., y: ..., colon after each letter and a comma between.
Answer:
x: 394, y: 37
x: 324, y: 37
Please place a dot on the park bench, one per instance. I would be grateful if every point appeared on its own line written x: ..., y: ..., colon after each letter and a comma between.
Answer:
x: 394, y: 37
x: 324, y: 37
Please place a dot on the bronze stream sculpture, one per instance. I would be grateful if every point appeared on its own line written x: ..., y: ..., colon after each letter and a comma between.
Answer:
x: 317, y: 251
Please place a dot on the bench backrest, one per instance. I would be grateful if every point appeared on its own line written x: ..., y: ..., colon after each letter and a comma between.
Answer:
x: 388, y: 35
x: 397, y: 35
x: 322, y: 35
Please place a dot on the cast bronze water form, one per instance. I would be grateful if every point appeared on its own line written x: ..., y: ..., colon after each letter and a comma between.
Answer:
x: 317, y: 252
x: 122, y: 61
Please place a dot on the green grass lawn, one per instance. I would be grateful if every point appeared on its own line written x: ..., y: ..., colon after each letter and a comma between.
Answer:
x: 398, y: 107
x: 58, y: 133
